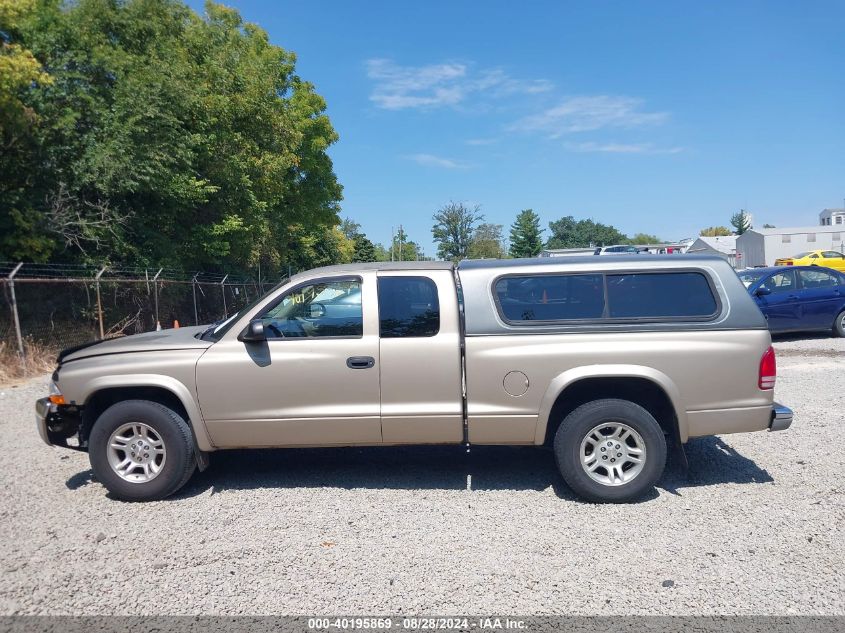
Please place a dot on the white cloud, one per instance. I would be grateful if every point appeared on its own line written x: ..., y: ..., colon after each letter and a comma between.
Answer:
x: 622, y: 148
x: 481, y: 141
x: 500, y: 83
x: 589, y: 113
x: 430, y: 160
x: 440, y: 85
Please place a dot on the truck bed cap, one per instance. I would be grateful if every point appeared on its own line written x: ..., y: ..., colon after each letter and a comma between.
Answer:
x: 621, y: 260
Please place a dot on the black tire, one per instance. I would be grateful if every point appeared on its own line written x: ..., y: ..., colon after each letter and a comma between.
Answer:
x: 839, y: 324
x: 578, y: 424
x: 173, y: 430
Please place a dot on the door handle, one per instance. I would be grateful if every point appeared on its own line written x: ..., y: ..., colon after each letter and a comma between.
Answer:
x: 360, y: 362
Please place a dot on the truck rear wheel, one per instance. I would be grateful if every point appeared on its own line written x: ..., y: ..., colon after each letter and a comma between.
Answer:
x: 141, y: 450
x: 610, y: 451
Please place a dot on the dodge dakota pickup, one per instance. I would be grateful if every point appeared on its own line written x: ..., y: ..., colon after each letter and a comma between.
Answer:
x: 605, y: 360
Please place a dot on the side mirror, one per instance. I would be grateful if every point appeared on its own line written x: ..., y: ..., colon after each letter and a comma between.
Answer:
x: 316, y: 311
x: 762, y: 291
x: 254, y: 332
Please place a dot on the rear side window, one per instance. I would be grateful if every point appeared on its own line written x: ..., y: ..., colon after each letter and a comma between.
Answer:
x: 818, y: 278
x: 650, y: 295
x: 640, y: 295
x: 408, y: 306
x: 551, y: 297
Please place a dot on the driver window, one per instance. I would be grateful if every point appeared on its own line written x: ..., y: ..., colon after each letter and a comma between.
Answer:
x: 328, y: 308
x: 781, y: 282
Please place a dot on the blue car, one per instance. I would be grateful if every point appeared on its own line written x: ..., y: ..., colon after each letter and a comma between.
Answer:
x: 799, y: 298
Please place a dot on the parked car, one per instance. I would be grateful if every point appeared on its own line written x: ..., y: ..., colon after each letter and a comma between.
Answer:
x: 588, y: 356
x: 618, y: 249
x: 830, y: 259
x: 799, y: 298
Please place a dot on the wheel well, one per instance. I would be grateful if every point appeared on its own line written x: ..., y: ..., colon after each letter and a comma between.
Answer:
x: 641, y: 391
x: 101, y: 400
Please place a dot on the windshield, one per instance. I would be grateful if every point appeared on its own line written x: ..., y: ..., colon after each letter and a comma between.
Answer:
x: 217, y: 329
x: 802, y: 255
x: 750, y: 277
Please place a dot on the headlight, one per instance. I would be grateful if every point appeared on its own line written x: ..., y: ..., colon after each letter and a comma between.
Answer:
x: 55, y: 395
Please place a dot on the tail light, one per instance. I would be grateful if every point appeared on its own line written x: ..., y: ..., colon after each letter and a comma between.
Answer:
x: 768, y: 370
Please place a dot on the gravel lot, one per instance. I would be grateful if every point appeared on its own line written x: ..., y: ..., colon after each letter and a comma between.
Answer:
x: 756, y: 527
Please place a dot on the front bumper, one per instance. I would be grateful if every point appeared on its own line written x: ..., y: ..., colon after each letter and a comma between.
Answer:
x: 57, y: 424
x: 781, y: 417
x: 42, y: 412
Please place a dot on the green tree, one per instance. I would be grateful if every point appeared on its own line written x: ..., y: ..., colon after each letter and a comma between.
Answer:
x: 715, y: 231
x: 382, y: 253
x: 487, y: 242
x: 403, y: 249
x: 350, y: 228
x: 571, y: 233
x: 526, y: 235
x: 741, y: 222
x: 364, y: 249
x: 310, y: 247
x: 167, y: 137
x: 21, y: 226
x: 454, y: 224
x: 645, y: 238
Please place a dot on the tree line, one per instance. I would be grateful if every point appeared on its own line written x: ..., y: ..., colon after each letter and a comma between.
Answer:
x: 461, y: 232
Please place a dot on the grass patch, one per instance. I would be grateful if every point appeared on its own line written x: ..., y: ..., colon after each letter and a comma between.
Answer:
x: 38, y: 360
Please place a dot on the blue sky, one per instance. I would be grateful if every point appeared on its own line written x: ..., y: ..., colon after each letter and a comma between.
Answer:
x: 661, y: 117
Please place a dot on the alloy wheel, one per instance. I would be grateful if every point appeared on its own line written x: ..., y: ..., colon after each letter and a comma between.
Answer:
x: 612, y: 453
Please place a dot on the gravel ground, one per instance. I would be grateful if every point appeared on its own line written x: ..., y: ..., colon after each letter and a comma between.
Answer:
x: 756, y: 527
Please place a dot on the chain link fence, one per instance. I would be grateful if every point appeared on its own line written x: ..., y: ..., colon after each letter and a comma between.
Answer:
x: 52, y: 307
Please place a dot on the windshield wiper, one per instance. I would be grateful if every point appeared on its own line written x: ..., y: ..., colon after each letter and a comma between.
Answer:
x: 202, y: 334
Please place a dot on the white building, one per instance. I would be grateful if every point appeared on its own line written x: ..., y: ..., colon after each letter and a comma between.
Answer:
x: 723, y: 245
x: 832, y: 217
x: 761, y: 247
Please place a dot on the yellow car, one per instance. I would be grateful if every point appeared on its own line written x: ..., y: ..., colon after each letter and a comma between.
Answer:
x: 831, y: 259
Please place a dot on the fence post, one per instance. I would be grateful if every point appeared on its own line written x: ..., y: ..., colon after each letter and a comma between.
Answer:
x: 223, y: 288
x: 194, y: 290
x: 155, y: 288
x: 99, y: 302
x: 15, y: 309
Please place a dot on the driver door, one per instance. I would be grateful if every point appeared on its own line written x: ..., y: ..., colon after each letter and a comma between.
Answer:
x: 781, y: 307
x: 314, y: 381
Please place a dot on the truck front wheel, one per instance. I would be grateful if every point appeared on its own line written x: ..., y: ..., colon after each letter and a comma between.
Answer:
x: 141, y: 450
x: 610, y: 451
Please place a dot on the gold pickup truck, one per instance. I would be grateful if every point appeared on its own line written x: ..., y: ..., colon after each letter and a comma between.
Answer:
x: 606, y: 360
